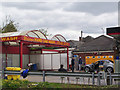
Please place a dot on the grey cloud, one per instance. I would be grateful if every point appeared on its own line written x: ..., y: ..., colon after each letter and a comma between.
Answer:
x: 43, y: 6
x: 94, y: 8
x: 59, y: 20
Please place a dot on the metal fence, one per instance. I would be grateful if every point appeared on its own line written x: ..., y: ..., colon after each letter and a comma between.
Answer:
x: 107, y: 78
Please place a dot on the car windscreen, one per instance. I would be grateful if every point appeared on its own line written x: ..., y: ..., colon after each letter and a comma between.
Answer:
x: 111, y: 61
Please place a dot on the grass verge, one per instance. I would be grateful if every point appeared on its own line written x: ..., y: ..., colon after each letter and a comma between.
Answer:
x: 13, y: 84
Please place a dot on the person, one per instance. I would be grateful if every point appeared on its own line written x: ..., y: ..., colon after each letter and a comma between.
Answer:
x: 72, y: 63
x: 97, y: 66
x: 62, y: 69
x: 24, y: 73
x: 80, y: 63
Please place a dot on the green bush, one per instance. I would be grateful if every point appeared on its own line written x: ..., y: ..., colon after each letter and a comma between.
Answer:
x: 23, y: 82
x: 10, y: 84
x: 39, y: 85
x: 15, y: 83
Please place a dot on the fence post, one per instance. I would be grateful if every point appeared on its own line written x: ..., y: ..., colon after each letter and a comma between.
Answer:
x: 110, y: 78
x: 88, y: 80
x: 98, y: 78
x: 105, y: 77
x: 77, y: 80
x: 93, y: 78
x: 68, y: 80
x: 62, y: 79
x: 83, y: 80
x: 43, y: 76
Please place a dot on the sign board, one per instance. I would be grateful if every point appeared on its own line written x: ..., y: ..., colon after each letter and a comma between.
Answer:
x: 114, y: 32
x: 32, y: 39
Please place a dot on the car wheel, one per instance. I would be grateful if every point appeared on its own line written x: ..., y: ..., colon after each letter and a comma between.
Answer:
x: 109, y: 70
x: 87, y: 69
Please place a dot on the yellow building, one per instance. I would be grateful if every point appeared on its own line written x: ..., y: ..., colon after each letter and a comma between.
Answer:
x: 92, y: 59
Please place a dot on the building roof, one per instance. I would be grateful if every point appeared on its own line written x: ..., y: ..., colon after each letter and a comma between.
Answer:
x: 101, y: 43
x: 34, y: 37
x: 75, y: 44
x: 87, y: 39
x: 35, y: 34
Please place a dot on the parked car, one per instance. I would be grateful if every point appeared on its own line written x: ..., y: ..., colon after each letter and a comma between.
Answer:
x: 106, y: 65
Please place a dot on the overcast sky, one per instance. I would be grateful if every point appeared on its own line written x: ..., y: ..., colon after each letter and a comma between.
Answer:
x: 66, y: 18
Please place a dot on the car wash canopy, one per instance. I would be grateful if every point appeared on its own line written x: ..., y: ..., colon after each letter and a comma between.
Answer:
x: 34, y: 38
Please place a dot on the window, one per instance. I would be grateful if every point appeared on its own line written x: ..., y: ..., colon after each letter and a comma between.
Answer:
x: 106, y: 62
x: 88, y: 57
x: 101, y: 62
x: 111, y: 61
x: 110, y: 56
x: 98, y: 56
x: 104, y: 56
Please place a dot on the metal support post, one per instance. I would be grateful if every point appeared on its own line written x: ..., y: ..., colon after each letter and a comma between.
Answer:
x: 43, y: 76
x: 68, y: 80
x: 6, y: 57
x: 83, y: 81
x: 21, y: 53
x: 77, y: 80
x: 88, y: 80
x: 98, y: 78
x: 105, y: 77
x: 62, y: 79
x: 67, y: 59
x: 93, y: 78
x: 110, y: 78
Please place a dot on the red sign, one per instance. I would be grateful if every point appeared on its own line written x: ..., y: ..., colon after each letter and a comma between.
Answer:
x: 31, y: 39
x: 13, y: 38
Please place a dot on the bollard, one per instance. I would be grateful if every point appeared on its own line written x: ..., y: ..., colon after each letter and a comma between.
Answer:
x: 68, y: 80
x: 43, y: 76
x: 80, y: 80
x: 110, y: 78
x: 98, y: 78
x: 108, y: 81
x: 83, y: 80
x: 88, y: 81
x: 93, y: 78
x: 62, y: 79
x: 77, y: 80
x: 105, y: 77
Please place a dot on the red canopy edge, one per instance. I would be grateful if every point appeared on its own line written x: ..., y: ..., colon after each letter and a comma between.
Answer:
x: 34, y: 40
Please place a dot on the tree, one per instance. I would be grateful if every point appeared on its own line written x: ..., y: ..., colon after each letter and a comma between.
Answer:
x: 9, y: 26
x: 0, y: 30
